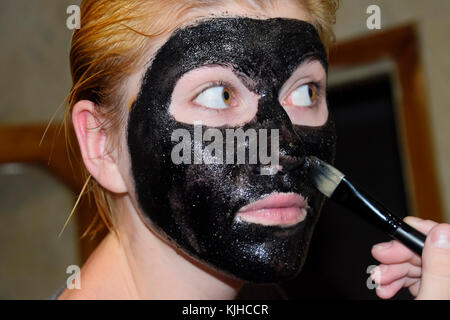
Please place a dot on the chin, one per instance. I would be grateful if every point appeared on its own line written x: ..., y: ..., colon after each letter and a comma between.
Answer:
x: 263, y: 255
x: 276, y: 271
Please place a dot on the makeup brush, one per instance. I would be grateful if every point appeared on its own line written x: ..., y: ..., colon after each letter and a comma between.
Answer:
x: 333, y: 184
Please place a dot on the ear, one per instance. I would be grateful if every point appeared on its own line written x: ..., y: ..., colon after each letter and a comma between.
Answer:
x: 91, y: 138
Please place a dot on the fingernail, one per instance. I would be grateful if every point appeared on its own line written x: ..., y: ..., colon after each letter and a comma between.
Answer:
x: 383, y: 246
x: 413, y: 221
x: 440, y: 239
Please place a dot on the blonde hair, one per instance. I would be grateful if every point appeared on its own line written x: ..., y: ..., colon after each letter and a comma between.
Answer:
x: 111, y: 45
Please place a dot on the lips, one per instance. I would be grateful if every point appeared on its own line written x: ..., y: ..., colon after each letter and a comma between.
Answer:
x: 282, y: 209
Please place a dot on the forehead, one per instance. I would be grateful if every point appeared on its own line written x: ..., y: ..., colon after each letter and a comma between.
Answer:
x: 250, y: 45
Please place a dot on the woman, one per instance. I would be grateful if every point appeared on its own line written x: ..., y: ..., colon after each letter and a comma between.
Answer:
x: 166, y: 98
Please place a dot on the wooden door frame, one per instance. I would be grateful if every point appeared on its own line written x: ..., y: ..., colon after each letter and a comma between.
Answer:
x: 401, y: 46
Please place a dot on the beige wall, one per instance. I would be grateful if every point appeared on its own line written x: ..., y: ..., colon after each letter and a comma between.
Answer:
x: 432, y: 18
x: 33, y: 206
x: 33, y: 59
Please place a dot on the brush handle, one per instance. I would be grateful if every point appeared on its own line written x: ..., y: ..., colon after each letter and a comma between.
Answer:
x: 372, y: 211
x: 410, y: 237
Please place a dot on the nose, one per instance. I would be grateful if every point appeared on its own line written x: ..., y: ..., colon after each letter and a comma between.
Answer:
x: 272, y: 115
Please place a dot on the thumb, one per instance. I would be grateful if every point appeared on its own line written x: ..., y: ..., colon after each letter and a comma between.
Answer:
x: 435, y: 281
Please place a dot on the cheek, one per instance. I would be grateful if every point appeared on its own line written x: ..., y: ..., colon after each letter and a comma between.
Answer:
x: 125, y: 169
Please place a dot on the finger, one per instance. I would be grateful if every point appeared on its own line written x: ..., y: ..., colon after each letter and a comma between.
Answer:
x: 436, y: 264
x: 394, y: 252
x: 421, y: 225
x: 389, y: 290
x: 414, y: 288
x: 386, y: 274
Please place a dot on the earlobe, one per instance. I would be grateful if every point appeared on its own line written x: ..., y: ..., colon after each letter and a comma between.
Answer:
x: 92, y: 141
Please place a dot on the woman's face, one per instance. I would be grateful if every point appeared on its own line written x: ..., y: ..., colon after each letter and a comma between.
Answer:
x: 218, y: 89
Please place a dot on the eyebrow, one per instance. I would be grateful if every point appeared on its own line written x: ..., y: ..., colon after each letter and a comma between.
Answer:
x: 307, y: 61
x: 312, y: 58
x: 246, y: 80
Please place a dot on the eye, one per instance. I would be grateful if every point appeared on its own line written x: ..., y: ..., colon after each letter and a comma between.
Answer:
x: 218, y: 97
x: 303, y: 96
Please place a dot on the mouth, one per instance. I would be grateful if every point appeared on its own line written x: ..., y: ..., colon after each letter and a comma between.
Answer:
x: 277, y: 209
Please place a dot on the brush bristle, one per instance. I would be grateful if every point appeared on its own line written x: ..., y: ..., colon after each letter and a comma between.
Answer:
x: 324, y: 177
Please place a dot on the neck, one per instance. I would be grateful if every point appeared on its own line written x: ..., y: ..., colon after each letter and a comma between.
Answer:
x: 140, y: 265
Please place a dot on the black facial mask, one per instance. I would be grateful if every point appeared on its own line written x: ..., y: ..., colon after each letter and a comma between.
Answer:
x: 194, y: 205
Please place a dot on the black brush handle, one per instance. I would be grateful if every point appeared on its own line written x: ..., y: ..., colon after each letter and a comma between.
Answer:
x: 376, y: 214
x: 410, y: 237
